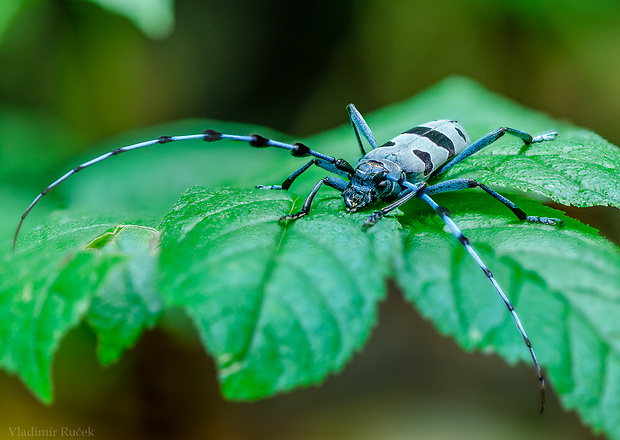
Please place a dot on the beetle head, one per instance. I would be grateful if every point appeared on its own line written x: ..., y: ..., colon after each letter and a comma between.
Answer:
x: 367, y: 185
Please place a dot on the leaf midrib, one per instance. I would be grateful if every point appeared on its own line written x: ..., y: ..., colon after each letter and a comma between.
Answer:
x: 269, y: 269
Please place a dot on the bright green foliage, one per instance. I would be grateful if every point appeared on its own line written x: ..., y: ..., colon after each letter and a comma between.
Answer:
x: 284, y: 306
x: 45, y: 292
x: 277, y: 306
x: 562, y: 281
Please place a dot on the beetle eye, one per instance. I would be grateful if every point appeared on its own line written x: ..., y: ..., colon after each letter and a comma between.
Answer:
x: 383, y: 184
x: 379, y: 178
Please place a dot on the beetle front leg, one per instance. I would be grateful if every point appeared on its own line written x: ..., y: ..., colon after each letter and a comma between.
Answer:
x: 403, y: 197
x: 333, y: 182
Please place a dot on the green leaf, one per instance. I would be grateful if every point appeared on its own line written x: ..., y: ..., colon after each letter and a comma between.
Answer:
x: 9, y: 9
x: 277, y: 307
x: 153, y: 17
x: 46, y: 291
x: 563, y: 283
x: 128, y: 301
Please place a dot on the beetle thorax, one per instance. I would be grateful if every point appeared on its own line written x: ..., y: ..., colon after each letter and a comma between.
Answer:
x: 369, y: 184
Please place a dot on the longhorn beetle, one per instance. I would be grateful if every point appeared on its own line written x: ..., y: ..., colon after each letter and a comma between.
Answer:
x: 394, y: 172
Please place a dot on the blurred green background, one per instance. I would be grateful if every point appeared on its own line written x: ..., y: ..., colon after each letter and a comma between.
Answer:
x: 73, y: 73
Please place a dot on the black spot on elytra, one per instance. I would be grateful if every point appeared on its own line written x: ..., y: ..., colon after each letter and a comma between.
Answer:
x: 437, y: 137
x: 426, y: 158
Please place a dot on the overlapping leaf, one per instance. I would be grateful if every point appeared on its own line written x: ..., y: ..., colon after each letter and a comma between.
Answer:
x: 45, y: 291
x: 564, y: 283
